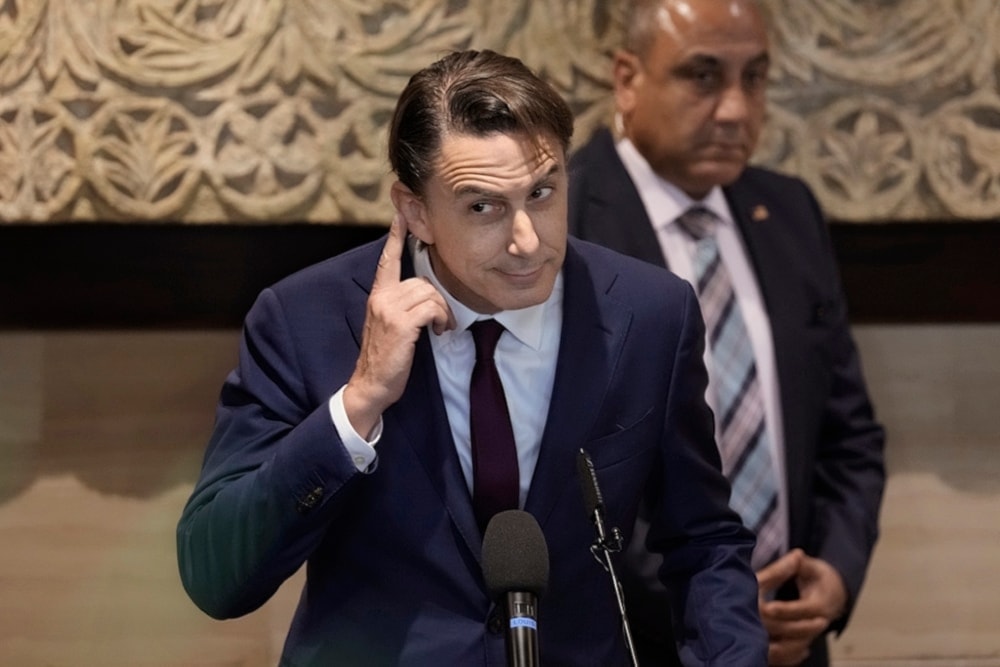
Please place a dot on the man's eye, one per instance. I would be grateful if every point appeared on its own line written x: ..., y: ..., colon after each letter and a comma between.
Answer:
x: 543, y: 192
x: 707, y: 78
x: 755, y: 79
x: 483, y: 207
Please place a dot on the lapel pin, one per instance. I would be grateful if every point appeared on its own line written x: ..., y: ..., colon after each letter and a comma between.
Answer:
x: 760, y: 213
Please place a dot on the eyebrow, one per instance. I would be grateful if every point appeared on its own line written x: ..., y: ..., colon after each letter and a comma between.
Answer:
x: 713, y: 60
x: 476, y: 191
x: 761, y: 59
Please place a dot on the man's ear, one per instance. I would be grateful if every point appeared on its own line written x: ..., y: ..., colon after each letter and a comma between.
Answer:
x: 625, y: 74
x: 413, y: 210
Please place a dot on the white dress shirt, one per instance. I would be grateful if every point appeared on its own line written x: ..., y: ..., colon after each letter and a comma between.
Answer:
x: 664, y: 203
x: 526, y: 361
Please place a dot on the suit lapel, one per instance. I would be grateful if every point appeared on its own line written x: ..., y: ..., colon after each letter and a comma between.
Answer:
x: 593, y: 333
x: 615, y: 216
x: 764, y: 233
x: 423, y: 422
x: 753, y: 217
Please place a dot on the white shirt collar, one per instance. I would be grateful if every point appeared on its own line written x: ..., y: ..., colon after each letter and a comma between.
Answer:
x: 525, y: 324
x: 664, y: 201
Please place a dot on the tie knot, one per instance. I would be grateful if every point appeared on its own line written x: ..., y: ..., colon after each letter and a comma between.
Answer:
x: 485, y: 334
x: 699, y: 222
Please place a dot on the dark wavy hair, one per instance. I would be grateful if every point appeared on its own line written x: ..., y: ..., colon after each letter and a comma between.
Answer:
x: 476, y: 93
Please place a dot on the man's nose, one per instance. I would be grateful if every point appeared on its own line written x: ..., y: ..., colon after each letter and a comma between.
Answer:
x: 524, y: 238
x: 734, y: 104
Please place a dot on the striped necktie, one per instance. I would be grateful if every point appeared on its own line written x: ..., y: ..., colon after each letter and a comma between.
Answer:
x: 744, y: 441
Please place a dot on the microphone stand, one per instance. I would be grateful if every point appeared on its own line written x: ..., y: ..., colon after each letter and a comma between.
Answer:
x: 605, y: 545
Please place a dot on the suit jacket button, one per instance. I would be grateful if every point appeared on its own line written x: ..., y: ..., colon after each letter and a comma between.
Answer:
x: 495, y: 621
x: 310, y: 500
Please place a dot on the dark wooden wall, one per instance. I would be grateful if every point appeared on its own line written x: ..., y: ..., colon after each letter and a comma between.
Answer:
x: 206, y: 276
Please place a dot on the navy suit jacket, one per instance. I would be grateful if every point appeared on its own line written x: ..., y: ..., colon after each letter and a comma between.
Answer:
x: 393, y: 554
x: 833, y: 445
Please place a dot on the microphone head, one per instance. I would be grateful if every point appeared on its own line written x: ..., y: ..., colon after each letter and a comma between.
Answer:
x: 515, y: 556
x: 588, y: 483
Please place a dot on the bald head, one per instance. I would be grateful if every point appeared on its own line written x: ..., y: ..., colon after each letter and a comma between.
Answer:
x: 644, y: 18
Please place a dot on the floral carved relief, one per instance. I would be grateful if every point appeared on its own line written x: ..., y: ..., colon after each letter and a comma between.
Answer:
x: 899, y: 98
x: 276, y: 110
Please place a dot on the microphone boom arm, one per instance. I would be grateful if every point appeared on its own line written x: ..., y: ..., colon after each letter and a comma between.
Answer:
x: 606, y: 543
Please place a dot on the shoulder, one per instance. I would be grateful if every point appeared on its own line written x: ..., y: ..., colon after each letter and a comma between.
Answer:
x: 656, y: 304
x: 624, y: 276
x: 601, y: 193
x: 785, y: 201
x: 595, y: 151
x: 763, y: 183
x: 354, y: 265
x: 599, y: 141
x: 313, y: 295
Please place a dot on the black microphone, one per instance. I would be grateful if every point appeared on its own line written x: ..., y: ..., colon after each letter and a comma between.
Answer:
x: 594, y: 502
x: 516, y: 570
x: 588, y: 484
x: 606, y: 544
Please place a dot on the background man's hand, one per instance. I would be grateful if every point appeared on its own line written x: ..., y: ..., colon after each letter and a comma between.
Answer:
x: 397, y: 311
x: 792, y: 625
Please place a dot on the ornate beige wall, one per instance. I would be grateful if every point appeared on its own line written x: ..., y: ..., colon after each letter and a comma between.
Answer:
x: 274, y: 110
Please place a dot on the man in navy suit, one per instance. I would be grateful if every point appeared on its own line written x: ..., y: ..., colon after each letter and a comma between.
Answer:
x: 689, y: 89
x: 342, y: 438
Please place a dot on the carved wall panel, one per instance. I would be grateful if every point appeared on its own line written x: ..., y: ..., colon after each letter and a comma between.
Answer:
x: 889, y: 108
x: 275, y: 110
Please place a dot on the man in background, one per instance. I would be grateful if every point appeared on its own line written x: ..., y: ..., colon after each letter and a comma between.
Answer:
x: 793, y: 419
x: 349, y: 437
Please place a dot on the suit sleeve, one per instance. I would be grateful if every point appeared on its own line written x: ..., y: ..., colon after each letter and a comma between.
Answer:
x: 273, y: 476
x: 849, y: 468
x: 706, y: 548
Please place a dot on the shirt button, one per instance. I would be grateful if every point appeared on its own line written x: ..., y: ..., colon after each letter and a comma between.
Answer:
x: 359, y: 461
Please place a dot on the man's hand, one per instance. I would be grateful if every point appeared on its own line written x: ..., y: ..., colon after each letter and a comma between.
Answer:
x: 397, y: 311
x: 793, y: 625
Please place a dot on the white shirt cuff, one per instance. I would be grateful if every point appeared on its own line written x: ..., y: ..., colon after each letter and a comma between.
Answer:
x: 362, y: 451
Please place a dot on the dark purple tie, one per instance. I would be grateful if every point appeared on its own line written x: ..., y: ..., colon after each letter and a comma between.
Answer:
x: 495, y: 479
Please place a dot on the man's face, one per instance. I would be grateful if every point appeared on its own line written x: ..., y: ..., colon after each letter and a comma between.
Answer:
x: 494, y: 216
x: 694, y: 105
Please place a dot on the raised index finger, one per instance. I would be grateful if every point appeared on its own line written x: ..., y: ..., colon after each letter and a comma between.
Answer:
x: 390, y: 261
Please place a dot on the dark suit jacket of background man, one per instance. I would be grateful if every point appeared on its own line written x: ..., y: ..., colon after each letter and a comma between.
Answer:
x: 833, y: 446
x: 393, y: 574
